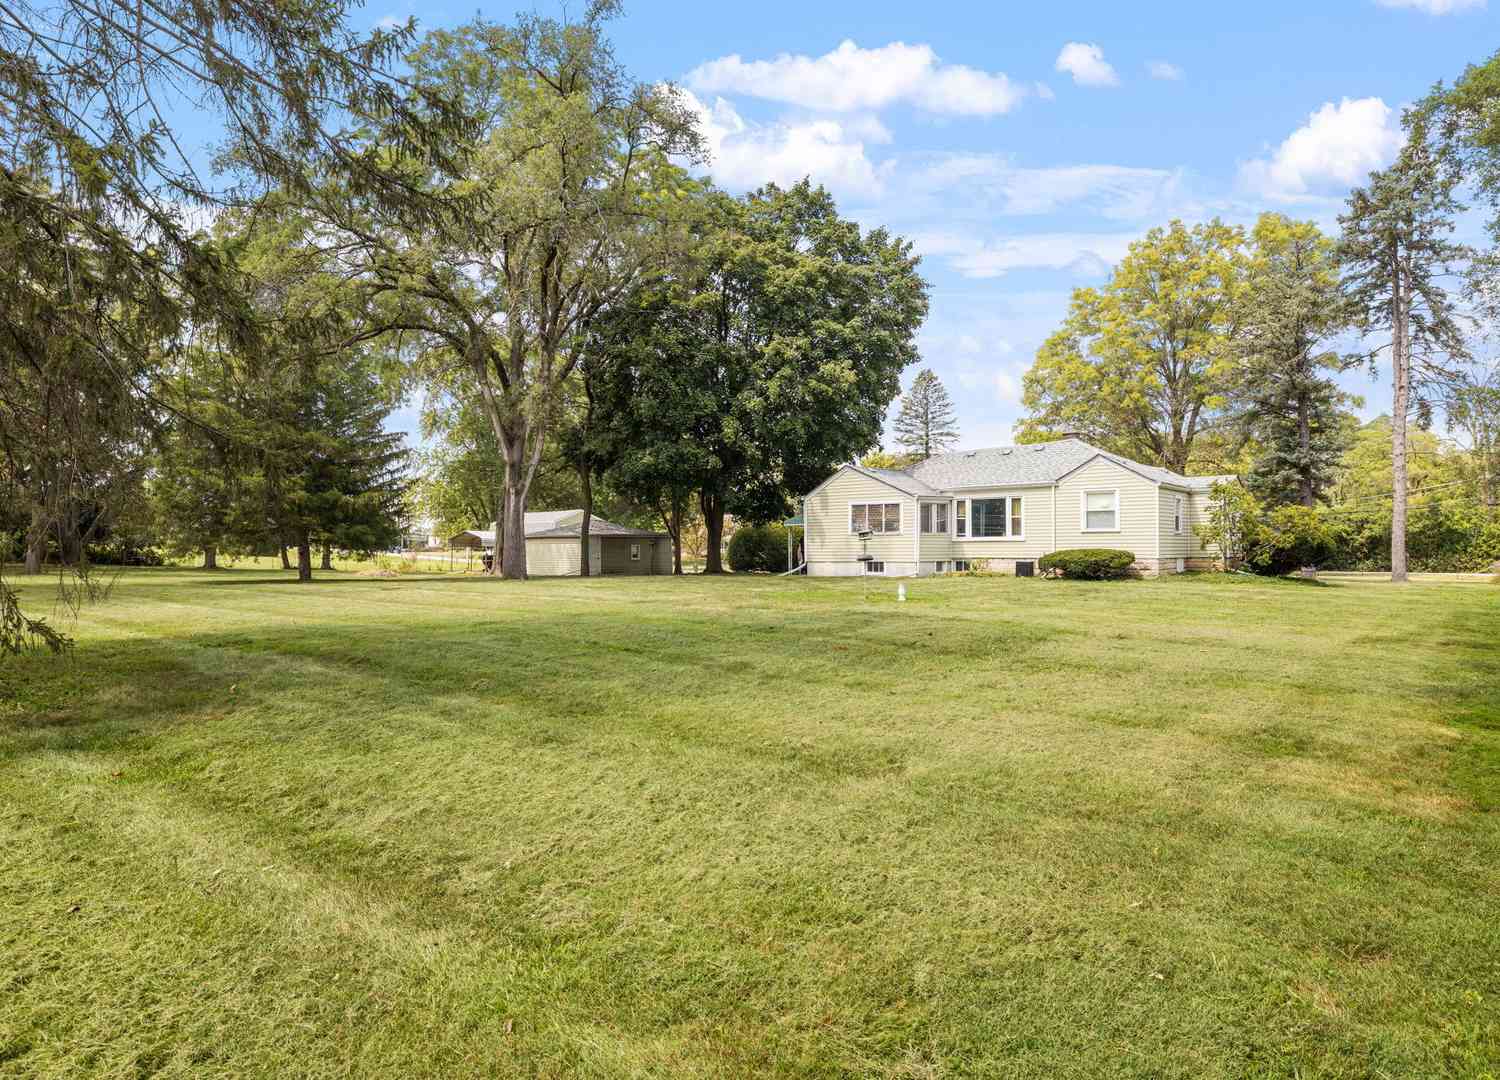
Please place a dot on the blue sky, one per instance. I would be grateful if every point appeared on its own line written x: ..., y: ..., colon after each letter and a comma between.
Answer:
x: 1022, y: 146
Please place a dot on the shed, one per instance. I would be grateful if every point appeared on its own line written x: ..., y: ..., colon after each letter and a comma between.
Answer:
x: 554, y: 546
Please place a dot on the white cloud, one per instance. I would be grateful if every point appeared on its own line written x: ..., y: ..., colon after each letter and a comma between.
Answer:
x: 1044, y: 91
x: 1086, y: 64
x: 1163, y: 69
x: 1337, y: 148
x: 991, y: 183
x: 1435, y: 7
x: 851, y: 78
x: 1084, y: 254
x: 745, y: 155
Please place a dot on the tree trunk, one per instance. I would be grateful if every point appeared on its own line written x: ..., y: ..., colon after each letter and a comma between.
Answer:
x: 510, y: 530
x: 304, y: 557
x: 586, y: 485
x: 36, y: 541
x: 327, y: 555
x: 712, y: 505
x: 210, y: 557
x: 69, y: 536
x: 286, y: 564
x: 1304, y: 455
x: 676, y: 529
x: 1401, y: 386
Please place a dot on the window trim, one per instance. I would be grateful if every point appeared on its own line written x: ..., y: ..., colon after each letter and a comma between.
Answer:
x: 1179, y: 514
x: 635, y: 552
x: 875, y: 573
x: 927, y: 514
x: 1083, y: 509
x: 900, y: 516
x: 1010, y: 500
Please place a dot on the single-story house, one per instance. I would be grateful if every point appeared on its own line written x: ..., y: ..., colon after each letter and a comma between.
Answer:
x: 1004, y: 505
x: 554, y: 546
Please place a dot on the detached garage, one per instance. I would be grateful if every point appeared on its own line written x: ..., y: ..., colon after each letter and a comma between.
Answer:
x: 554, y: 543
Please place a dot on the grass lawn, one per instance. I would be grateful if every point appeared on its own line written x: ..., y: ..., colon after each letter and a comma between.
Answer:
x: 442, y: 826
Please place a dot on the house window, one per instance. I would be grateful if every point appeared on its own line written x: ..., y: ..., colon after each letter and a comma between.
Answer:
x: 875, y: 517
x: 961, y: 566
x: 1101, y: 511
x: 1177, y: 514
x: 635, y: 552
x: 874, y: 567
x: 935, y: 518
x: 961, y: 518
x: 997, y: 518
x: 940, y: 568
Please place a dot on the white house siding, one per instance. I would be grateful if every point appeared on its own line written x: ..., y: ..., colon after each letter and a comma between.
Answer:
x: 1138, y: 518
x: 1000, y: 554
x: 832, y: 551
x: 1200, y: 556
x: 1175, y: 545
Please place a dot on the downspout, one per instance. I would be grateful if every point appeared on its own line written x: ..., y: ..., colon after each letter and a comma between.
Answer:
x: 1054, y: 515
x: 916, y: 547
x: 1158, y: 530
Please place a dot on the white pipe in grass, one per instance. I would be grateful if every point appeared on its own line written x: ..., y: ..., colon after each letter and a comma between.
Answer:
x: 901, y: 592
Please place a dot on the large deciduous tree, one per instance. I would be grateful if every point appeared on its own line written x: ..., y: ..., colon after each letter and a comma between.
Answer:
x: 926, y: 424
x: 766, y: 360
x: 1473, y: 409
x: 571, y: 167
x: 1397, y: 250
x: 1290, y: 307
x: 1141, y: 366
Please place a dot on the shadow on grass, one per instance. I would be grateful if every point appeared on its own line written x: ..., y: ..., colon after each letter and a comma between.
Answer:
x: 664, y: 677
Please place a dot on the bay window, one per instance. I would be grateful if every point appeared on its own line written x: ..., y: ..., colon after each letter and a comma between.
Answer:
x: 995, y: 519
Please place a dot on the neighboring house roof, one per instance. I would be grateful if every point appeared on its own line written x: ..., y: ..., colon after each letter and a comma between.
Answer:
x: 1012, y: 466
x: 559, y: 524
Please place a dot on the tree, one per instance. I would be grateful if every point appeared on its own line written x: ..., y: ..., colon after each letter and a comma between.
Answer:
x: 572, y: 159
x: 1142, y: 366
x: 1396, y: 250
x: 199, y: 465
x: 765, y: 362
x: 1473, y: 408
x: 1290, y: 305
x: 101, y: 258
x: 926, y: 423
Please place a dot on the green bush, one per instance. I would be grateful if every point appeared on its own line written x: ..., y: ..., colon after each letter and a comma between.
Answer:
x: 758, y: 548
x: 1092, y: 564
x: 1290, y: 538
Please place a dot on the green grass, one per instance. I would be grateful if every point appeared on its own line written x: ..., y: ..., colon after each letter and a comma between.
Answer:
x: 442, y: 826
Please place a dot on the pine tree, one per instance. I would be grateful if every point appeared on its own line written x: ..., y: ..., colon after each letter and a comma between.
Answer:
x: 1290, y: 305
x: 1396, y: 249
x: 926, y: 424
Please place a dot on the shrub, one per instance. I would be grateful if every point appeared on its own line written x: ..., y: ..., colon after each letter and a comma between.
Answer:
x: 1291, y: 537
x: 1093, y: 564
x: 122, y: 553
x: 758, y: 548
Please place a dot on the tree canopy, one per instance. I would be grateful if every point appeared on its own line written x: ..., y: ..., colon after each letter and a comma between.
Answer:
x: 1142, y: 366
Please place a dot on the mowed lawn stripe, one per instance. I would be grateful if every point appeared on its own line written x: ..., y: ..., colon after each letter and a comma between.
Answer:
x: 715, y: 827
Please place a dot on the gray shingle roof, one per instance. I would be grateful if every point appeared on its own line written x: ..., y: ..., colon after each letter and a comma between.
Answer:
x: 560, y: 524
x: 1008, y: 466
